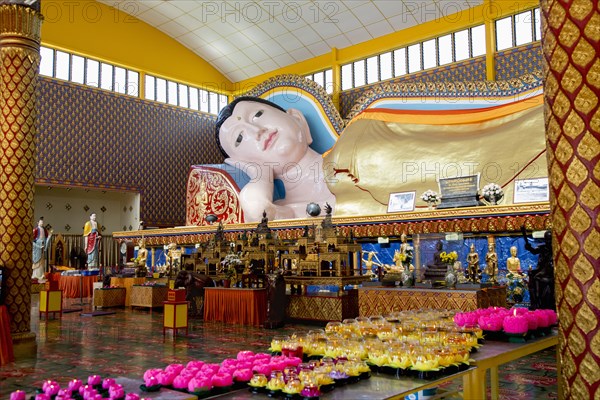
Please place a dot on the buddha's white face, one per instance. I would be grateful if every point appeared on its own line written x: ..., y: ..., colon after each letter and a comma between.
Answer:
x: 513, y: 251
x: 259, y: 133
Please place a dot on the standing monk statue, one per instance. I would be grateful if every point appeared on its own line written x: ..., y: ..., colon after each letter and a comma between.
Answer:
x: 41, y: 239
x: 91, y: 234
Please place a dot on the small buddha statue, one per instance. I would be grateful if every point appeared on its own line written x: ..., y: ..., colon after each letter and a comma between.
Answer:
x: 513, y: 264
x: 491, y: 261
x: 473, y: 265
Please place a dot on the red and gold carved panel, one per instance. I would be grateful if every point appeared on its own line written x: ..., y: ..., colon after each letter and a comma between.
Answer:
x: 212, y: 191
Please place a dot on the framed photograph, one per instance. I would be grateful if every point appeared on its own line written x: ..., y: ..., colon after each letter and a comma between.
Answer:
x: 533, y: 190
x: 401, y: 202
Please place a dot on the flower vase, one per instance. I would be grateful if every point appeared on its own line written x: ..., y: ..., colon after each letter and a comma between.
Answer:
x: 450, y: 277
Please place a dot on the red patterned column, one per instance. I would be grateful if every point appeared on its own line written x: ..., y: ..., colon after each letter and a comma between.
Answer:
x: 571, y: 45
x: 19, y: 64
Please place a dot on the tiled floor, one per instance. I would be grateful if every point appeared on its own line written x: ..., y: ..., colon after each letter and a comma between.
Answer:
x: 129, y: 342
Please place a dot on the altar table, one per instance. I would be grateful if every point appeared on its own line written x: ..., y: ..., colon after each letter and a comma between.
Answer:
x: 378, y: 387
x: 148, y: 296
x: 72, y: 285
x: 493, y: 354
x: 127, y: 283
x: 377, y: 300
x: 235, y: 305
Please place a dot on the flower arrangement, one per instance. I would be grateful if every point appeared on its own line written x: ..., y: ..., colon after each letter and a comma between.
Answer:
x: 429, y: 196
x: 492, y: 192
x: 229, y: 265
x: 448, y: 258
x: 516, y: 289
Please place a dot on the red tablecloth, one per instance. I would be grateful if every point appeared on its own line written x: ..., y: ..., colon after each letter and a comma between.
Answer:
x: 70, y: 285
x: 6, y: 347
x: 235, y: 306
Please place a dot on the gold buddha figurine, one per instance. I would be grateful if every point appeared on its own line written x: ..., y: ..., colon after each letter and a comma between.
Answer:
x: 473, y: 265
x: 513, y: 264
x: 491, y: 260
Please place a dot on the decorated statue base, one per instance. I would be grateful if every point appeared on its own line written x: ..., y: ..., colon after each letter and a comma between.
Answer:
x: 469, y: 286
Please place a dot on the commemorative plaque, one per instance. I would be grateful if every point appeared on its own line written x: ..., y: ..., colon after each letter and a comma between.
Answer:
x: 461, y: 191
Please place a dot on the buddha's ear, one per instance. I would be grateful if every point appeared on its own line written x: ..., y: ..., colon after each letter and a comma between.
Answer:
x: 297, y: 114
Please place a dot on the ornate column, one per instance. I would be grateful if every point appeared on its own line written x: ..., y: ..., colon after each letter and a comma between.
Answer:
x: 19, y: 64
x: 571, y: 45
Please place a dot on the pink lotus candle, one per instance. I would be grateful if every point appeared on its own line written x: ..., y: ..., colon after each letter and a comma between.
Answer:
x: 151, y: 381
x: 245, y: 354
x: 174, y: 368
x: 492, y: 323
x: 195, y: 364
x: 543, y: 318
x: 181, y: 382
x: 293, y: 361
x: 52, y: 389
x: 228, y: 362
x: 42, y: 396
x: 552, y: 317
x: 166, y: 378
x: 107, y: 383
x: 64, y: 393
x: 74, y: 385
x: 89, y: 393
x: 18, y: 395
x: 200, y: 384
x: 516, y: 324
x: 116, y: 391
x: 532, y: 320
x: 264, y: 369
x: 94, y: 380
x: 152, y: 372
x: 211, y: 367
x: 242, y: 375
x: 83, y: 388
x: 245, y: 364
x: 222, y: 380
x: 132, y: 396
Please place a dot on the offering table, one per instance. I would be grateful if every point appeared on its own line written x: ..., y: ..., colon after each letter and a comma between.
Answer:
x: 74, y: 286
x: 493, y: 354
x: 242, y: 306
x: 148, y: 296
x: 379, y: 386
x: 109, y: 297
x: 382, y: 300
x: 127, y: 283
x: 330, y: 306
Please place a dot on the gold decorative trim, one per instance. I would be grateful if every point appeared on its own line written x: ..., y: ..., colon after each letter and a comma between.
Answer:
x: 457, y: 89
x: 482, y: 219
x: 20, y: 25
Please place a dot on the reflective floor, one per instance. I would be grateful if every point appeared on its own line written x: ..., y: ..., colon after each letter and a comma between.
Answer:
x: 130, y: 341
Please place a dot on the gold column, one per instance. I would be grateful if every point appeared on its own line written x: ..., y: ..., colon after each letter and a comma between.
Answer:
x: 571, y: 43
x: 20, y: 57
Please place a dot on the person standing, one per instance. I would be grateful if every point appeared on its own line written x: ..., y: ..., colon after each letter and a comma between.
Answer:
x: 91, y: 234
x: 41, y: 239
